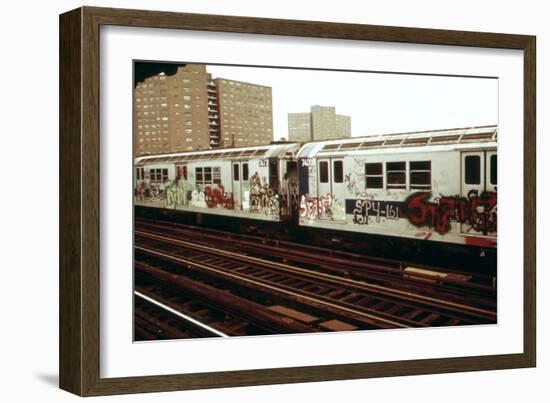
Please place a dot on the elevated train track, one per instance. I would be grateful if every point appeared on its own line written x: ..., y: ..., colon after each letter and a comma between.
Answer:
x: 358, y: 266
x: 278, y: 288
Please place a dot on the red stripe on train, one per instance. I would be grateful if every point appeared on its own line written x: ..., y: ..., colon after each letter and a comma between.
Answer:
x: 481, y: 242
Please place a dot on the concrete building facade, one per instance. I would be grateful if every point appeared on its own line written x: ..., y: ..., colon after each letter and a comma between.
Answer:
x: 171, y: 112
x: 245, y: 113
x: 322, y: 123
x: 343, y: 126
x: 299, y: 127
x: 191, y: 111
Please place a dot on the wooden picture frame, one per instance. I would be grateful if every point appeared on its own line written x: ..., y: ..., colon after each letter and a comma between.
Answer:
x: 80, y: 184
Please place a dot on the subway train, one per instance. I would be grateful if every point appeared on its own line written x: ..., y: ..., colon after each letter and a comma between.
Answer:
x: 405, y: 191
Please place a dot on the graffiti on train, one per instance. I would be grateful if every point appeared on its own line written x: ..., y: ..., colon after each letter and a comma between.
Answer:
x: 177, y: 193
x: 366, y: 211
x: 325, y: 207
x: 479, y: 210
x: 217, y: 197
x: 354, y: 180
x: 262, y: 199
x: 171, y: 193
x: 211, y: 196
x: 289, y: 201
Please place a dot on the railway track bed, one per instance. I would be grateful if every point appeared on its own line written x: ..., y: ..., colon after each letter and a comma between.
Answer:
x: 278, y: 297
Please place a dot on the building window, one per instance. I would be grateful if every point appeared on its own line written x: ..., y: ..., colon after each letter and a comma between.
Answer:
x: 396, y: 175
x: 420, y: 176
x: 235, y: 172
x: 245, y: 171
x: 338, y: 169
x: 472, y: 170
x: 374, y: 177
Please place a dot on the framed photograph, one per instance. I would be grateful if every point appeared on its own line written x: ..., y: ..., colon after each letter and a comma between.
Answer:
x: 249, y: 201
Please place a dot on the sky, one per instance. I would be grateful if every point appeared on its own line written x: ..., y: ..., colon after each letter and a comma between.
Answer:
x: 378, y: 103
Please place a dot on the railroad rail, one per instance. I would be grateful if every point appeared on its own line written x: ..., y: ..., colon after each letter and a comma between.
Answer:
x: 397, y: 273
x: 209, y: 266
x: 154, y: 320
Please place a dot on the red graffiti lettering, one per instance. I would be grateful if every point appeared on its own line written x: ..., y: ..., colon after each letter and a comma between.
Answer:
x: 215, y: 196
x: 480, y: 211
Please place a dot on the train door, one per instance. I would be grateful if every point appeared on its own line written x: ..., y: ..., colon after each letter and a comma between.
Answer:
x: 323, y: 187
x: 331, y: 184
x: 337, y: 190
x: 491, y: 171
x: 291, y: 188
x: 181, y: 185
x: 245, y: 187
x: 237, y: 185
x: 479, y: 175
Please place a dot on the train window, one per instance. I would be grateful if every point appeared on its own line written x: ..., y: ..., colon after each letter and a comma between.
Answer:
x: 181, y: 171
x: 420, y: 175
x: 140, y: 173
x: 494, y: 169
x: 158, y: 175
x: 374, y: 177
x: 323, y: 172
x: 245, y: 171
x: 396, y: 175
x: 338, y: 169
x: 236, y: 172
x: 472, y: 170
x: 198, y: 176
x: 217, y: 175
x: 273, y: 173
x: 208, y: 175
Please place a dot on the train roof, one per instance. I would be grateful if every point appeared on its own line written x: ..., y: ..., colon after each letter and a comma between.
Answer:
x: 256, y: 152
x: 464, y: 137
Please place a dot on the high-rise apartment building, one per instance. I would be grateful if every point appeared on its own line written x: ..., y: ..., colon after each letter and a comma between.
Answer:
x: 343, y: 126
x: 171, y: 112
x: 246, y: 113
x: 322, y: 123
x: 299, y: 127
x: 191, y: 111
